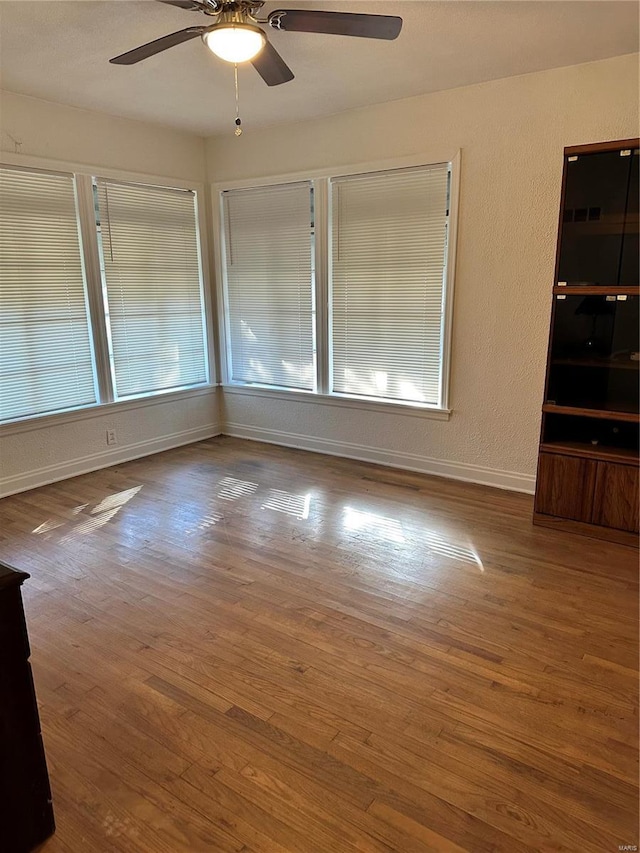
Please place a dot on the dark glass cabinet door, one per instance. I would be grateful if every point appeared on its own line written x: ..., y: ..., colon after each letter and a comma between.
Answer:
x: 594, y: 352
x: 595, y: 204
x: 630, y: 244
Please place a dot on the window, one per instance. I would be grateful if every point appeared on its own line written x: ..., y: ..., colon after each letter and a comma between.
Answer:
x: 85, y: 321
x: 269, y: 293
x: 372, y: 250
x: 388, y: 261
x: 46, y: 361
x: 154, y: 301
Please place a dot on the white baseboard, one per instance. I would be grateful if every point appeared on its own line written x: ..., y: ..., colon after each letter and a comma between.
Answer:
x: 104, y: 459
x: 509, y: 480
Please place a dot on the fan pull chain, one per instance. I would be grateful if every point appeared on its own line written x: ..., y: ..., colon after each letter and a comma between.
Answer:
x: 238, y: 130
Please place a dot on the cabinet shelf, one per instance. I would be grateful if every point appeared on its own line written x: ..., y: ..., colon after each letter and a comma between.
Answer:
x: 603, y: 414
x: 594, y: 229
x: 590, y: 451
x: 606, y: 363
x: 596, y: 290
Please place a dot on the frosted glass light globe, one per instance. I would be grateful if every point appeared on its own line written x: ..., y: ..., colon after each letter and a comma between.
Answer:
x: 235, y: 42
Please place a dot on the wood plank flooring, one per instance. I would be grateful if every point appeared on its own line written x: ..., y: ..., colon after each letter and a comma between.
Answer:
x: 239, y: 647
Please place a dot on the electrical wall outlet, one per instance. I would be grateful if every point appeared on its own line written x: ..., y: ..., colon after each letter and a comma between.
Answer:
x: 112, y: 438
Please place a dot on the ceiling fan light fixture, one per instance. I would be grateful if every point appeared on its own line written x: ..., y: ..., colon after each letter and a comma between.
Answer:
x: 234, y: 42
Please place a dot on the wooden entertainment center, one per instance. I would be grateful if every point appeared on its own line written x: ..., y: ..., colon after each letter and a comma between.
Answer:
x: 588, y: 462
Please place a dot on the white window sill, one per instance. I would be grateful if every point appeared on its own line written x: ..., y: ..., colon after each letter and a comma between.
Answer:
x: 102, y: 409
x: 339, y: 401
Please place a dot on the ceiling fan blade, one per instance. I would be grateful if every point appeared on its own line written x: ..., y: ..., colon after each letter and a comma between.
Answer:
x: 190, y: 5
x: 336, y: 23
x: 157, y: 46
x: 271, y: 66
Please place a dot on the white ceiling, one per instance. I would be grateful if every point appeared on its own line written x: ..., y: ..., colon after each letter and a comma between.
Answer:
x: 59, y: 50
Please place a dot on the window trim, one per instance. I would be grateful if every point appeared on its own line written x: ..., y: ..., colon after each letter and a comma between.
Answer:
x: 224, y: 329
x: 205, y: 293
x: 342, y: 401
x: 449, y: 285
x: 320, y: 180
x: 331, y: 184
x: 84, y: 175
x: 19, y: 164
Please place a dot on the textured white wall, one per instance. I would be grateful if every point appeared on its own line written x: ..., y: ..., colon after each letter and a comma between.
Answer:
x: 57, y: 449
x: 39, y: 128
x: 512, y: 133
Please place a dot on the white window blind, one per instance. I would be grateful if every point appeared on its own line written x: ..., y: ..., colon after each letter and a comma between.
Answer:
x: 46, y: 361
x: 269, y: 285
x: 388, y: 257
x: 154, y: 301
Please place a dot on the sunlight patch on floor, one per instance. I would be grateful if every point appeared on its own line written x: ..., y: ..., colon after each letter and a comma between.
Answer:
x: 389, y: 529
x: 461, y: 553
x: 296, y: 505
x: 210, y: 519
x: 99, y: 515
x: 52, y: 523
x: 230, y: 489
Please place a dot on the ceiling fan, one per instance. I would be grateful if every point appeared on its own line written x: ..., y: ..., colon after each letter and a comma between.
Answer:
x: 236, y: 37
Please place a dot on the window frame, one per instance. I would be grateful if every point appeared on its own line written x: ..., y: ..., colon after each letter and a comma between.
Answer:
x: 320, y: 180
x: 84, y: 175
x: 333, y: 183
x: 113, y: 396
x: 21, y: 166
x: 224, y: 334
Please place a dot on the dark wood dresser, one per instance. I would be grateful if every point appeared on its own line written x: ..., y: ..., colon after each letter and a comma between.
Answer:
x: 26, y: 813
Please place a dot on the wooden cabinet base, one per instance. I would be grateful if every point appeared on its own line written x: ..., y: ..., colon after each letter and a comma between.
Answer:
x: 609, y: 534
x: 615, y: 497
x: 564, y: 487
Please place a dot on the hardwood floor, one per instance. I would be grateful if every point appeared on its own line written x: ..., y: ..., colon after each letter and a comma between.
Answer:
x: 239, y: 647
